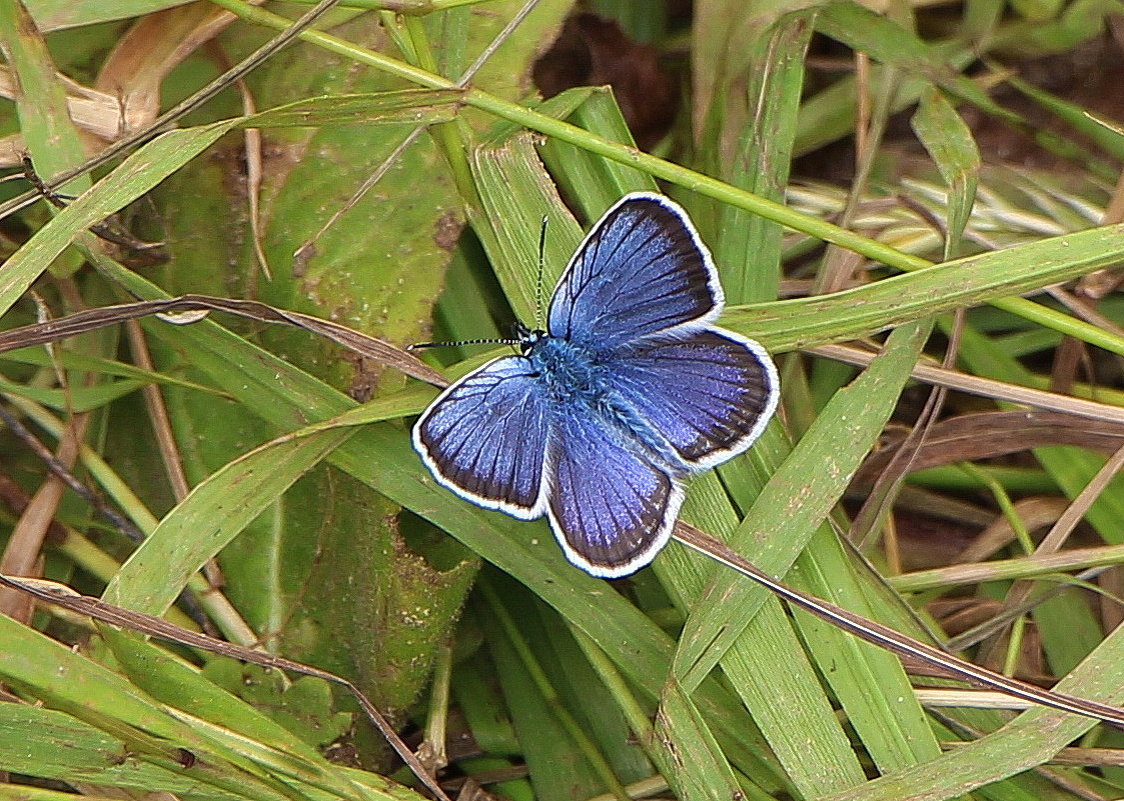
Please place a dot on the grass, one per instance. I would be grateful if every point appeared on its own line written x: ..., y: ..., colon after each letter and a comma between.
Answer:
x: 270, y: 475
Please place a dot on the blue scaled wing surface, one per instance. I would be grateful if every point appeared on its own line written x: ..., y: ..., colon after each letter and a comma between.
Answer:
x: 611, y: 507
x: 709, y: 393
x: 641, y: 270
x: 485, y: 437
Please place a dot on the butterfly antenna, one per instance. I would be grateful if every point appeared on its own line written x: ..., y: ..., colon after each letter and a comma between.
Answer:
x: 458, y: 343
x: 539, y: 322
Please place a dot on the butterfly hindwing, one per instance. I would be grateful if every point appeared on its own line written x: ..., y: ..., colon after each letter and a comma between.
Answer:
x: 709, y: 393
x: 611, y: 509
x: 485, y: 437
x: 640, y: 270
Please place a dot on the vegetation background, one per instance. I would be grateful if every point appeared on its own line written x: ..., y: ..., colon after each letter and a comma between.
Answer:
x: 930, y: 183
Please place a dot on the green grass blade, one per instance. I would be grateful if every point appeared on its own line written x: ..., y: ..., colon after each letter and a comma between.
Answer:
x: 137, y: 174
x: 89, y: 691
x: 46, y: 129
x: 753, y: 140
x: 210, y: 517
x: 798, y: 498
x: 995, y: 277
x: 1030, y: 740
x: 90, y: 755
x: 888, y: 42
x: 870, y: 682
x: 587, y: 181
x: 701, y: 770
x: 780, y: 687
x: 516, y: 194
x: 77, y: 399
x: 950, y: 144
x: 406, y: 106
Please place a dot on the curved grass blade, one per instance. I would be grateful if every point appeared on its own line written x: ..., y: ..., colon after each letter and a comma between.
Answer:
x: 899, y: 643
x: 155, y: 626
x: 996, y: 277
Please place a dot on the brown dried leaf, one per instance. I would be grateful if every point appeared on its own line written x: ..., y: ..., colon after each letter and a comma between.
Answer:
x: 92, y: 319
x: 154, y: 46
x: 985, y: 435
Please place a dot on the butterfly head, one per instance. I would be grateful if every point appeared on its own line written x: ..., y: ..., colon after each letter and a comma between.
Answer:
x: 529, y: 337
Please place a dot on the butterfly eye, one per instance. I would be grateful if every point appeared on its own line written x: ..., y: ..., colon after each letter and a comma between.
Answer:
x: 529, y: 339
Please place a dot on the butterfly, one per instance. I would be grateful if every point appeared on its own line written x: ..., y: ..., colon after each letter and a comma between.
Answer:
x: 600, y: 418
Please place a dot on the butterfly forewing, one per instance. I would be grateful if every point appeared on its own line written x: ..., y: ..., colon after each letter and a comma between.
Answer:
x: 485, y: 437
x: 641, y: 270
x: 709, y: 393
x: 611, y: 509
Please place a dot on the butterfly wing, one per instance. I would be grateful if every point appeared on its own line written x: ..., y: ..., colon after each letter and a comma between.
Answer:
x: 485, y: 437
x: 709, y: 393
x: 673, y: 395
x: 611, y: 509
x: 641, y: 270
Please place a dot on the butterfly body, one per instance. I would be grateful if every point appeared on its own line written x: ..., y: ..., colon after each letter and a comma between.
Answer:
x: 629, y: 390
x: 567, y: 372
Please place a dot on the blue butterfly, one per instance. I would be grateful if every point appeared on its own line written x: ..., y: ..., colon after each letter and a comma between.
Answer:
x: 600, y: 418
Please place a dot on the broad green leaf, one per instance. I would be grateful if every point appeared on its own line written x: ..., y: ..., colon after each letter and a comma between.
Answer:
x: 136, y: 176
